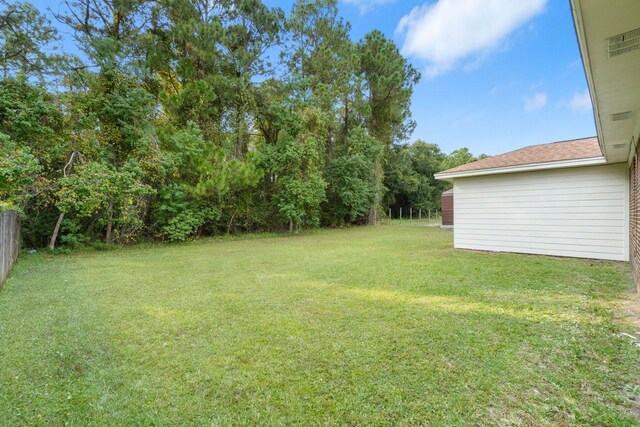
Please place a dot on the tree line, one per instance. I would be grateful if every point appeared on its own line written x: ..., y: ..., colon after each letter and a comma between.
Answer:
x: 182, y: 118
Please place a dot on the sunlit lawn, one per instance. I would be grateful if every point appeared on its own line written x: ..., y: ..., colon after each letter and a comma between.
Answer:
x: 364, y: 326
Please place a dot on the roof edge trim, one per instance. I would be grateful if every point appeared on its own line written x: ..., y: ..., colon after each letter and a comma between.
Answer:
x: 576, y: 9
x: 591, y: 161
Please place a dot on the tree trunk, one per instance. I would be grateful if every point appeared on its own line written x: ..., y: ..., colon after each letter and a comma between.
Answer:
x: 377, y: 177
x: 65, y: 172
x: 290, y: 225
x: 239, y: 150
x: 56, y: 230
x: 109, y: 235
x: 373, y: 216
x: 231, y: 222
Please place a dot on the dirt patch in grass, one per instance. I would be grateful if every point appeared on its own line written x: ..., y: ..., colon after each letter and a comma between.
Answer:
x: 630, y: 305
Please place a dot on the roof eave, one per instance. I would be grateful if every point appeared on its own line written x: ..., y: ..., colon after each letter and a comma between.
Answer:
x: 578, y: 20
x: 530, y: 167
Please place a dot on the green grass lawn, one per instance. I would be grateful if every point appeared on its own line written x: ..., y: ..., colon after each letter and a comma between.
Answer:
x: 364, y: 326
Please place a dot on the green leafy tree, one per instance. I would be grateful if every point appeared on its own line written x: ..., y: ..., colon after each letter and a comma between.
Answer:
x: 197, y: 178
x: 350, y: 176
x: 18, y: 169
x: 317, y: 51
x: 389, y: 81
x: 293, y: 165
x: 123, y: 141
x: 32, y: 118
x: 34, y: 144
x: 117, y: 116
x: 207, y: 56
x: 27, y: 39
x: 458, y: 157
x: 176, y: 124
x: 400, y: 178
x: 409, y: 175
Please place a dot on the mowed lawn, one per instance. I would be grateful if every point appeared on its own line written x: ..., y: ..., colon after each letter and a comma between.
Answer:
x: 363, y: 326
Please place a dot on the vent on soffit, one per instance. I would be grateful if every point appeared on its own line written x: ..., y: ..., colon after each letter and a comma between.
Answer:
x: 624, y: 43
x: 620, y: 116
x: 619, y: 145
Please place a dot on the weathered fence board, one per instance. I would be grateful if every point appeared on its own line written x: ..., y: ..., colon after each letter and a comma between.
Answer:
x: 9, y: 242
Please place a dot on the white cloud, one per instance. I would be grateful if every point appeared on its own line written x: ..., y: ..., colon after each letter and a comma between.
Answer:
x: 535, y: 102
x: 451, y: 30
x: 367, y: 5
x: 581, y: 101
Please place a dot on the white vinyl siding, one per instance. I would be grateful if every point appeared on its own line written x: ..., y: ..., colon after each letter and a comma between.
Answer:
x: 577, y: 212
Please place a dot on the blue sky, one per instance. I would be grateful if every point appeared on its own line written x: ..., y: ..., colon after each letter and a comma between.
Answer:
x: 497, y: 74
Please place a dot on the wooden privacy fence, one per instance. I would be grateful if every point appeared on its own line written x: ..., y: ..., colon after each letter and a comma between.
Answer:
x: 9, y: 242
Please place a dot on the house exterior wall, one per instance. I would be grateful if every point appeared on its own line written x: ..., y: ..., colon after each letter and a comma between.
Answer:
x: 578, y: 212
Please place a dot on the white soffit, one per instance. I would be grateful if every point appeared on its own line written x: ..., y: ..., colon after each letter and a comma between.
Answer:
x: 606, y: 33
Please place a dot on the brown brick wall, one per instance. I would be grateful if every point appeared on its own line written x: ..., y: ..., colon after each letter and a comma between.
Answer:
x: 634, y: 216
x: 447, y: 208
